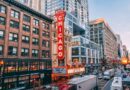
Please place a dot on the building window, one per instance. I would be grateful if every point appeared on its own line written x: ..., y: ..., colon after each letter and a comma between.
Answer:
x: 13, y: 37
x: 35, y: 41
x: 44, y: 25
x: 34, y: 53
x: 35, y: 22
x: 45, y: 34
x: 14, y: 14
x: 25, y: 39
x: 45, y: 43
x: 24, y: 52
x: 45, y: 54
x: 35, y: 31
x: 2, y: 20
x: 26, y: 28
x: 26, y: 18
x: 1, y: 50
x: 12, y: 50
x: 14, y: 24
x: 75, y: 51
x: 83, y: 51
x: 1, y: 34
x: 2, y: 9
x: 47, y: 26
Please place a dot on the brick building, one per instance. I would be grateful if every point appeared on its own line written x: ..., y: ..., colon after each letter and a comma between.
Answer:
x: 25, y: 46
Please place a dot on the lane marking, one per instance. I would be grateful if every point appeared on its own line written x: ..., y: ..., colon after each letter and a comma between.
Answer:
x: 107, y: 84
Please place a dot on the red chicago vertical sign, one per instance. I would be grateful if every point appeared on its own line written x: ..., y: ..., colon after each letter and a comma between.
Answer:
x: 60, y: 16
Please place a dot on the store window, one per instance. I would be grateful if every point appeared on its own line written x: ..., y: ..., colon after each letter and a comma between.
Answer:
x: 2, y: 9
x: 14, y: 24
x: 34, y: 53
x: 1, y: 50
x: 10, y: 67
x: 25, y: 39
x: 24, y: 52
x: 10, y: 83
x: 35, y: 30
x: 13, y: 37
x: 46, y: 54
x: 2, y: 20
x: 1, y: 34
x: 35, y: 41
x: 23, y: 66
x: 12, y: 50
x: 75, y: 51
x: 42, y: 65
x: 49, y: 64
x: 14, y: 14
x: 34, y: 66
x: 26, y: 18
x: 26, y: 28
x: 35, y: 22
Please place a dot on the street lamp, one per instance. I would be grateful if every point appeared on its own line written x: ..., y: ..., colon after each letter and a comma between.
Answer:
x: 124, y: 62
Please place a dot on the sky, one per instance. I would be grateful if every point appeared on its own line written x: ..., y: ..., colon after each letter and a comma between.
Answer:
x: 117, y: 15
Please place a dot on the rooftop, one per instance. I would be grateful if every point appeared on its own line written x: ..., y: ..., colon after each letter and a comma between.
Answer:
x: 27, y: 9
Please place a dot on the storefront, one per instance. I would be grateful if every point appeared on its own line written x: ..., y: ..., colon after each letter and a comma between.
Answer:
x: 26, y: 73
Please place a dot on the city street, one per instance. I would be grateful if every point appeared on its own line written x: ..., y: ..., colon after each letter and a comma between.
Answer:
x: 107, y: 86
x: 64, y: 44
x: 101, y: 83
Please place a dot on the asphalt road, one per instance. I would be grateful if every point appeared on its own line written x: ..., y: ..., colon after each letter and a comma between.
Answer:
x: 101, y: 83
x: 107, y: 86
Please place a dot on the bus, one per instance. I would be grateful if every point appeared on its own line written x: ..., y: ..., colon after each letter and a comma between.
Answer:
x: 87, y: 82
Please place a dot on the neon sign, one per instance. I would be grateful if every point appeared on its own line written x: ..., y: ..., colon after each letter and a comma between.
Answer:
x: 60, y: 15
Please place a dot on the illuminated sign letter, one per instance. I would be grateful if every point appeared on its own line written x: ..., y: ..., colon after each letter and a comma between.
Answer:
x: 60, y: 16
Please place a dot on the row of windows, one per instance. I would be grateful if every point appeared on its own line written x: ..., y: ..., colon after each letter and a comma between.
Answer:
x: 15, y: 24
x: 16, y: 15
x: 24, y: 52
x: 25, y: 39
x: 19, y: 66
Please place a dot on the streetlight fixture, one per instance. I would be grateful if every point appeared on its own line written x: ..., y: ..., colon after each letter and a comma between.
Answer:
x: 124, y: 62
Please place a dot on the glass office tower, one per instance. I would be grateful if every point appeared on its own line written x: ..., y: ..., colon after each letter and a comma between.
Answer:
x: 76, y: 22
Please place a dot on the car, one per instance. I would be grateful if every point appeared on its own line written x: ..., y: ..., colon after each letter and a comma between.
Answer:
x: 100, y: 76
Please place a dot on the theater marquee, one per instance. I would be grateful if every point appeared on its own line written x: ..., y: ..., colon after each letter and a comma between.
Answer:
x: 60, y: 16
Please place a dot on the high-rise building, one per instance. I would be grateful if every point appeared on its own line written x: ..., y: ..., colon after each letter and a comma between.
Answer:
x: 102, y: 34
x: 119, y: 45
x: 25, y: 47
x: 38, y: 5
x: 125, y: 51
x: 76, y: 23
x: 76, y: 13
